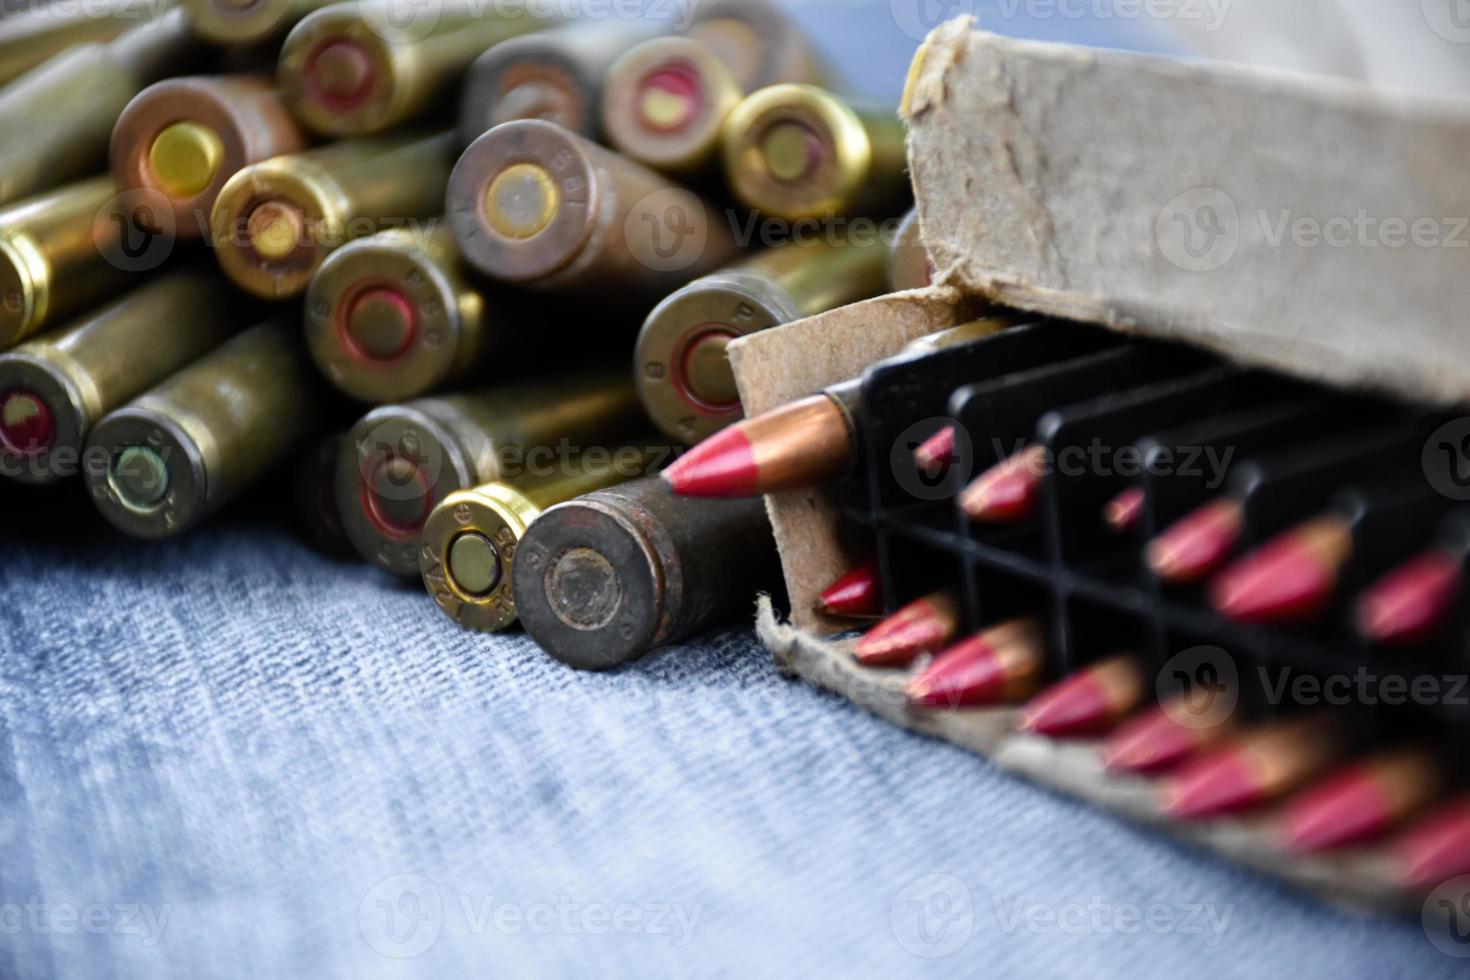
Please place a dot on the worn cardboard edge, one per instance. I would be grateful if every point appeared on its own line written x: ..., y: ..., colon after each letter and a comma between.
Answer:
x: 1025, y: 199
x: 1360, y: 882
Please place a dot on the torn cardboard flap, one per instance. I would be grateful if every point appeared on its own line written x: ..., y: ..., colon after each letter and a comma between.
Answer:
x: 1291, y: 221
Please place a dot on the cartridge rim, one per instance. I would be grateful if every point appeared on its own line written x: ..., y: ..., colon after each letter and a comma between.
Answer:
x: 160, y: 441
x: 527, y: 77
x: 423, y: 457
x: 665, y: 102
x: 712, y: 310
x: 838, y: 152
x: 427, y: 356
x: 233, y: 22
x: 582, y: 574
x: 302, y: 199
x: 560, y: 158
x: 24, y: 297
x: 21, y: 371
x: 483, y: 524
x: 338, y: 72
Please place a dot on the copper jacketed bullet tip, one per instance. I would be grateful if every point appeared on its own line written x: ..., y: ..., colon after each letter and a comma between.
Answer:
x: 1255, y: 767
x: 1007, y: 492
x: 1125, y: 510
x: 1436, y: 848
x: 1197, y: 544
x: 935, y: 455
x: 858, y: 594
x: 1169, y: 734
x: 1289, y: 580
x: 1090, y: 702
x: 1411, y: 604
x: 923, y: 626
x: 999, y: 666
x: 1363, y: 802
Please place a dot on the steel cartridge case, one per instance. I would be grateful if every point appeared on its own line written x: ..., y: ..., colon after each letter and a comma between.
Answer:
x: 684, y: 375
x: 354, y: 69
x: 57, y: 118
x: 57, y: 253
x: 274, y: 222
x: 54, y: 388
x: 175, y: 455
x: 400, y: 461
x: 470, y: 539
x: 666, y: 100
x: 534, y: 204
x: 797, y: 151
x: 604, y: 579
x: 244, y: 23
x: 179, y: 140
x: 555, y: 75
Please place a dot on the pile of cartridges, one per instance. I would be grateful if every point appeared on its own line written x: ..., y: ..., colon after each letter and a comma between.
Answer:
x: 1247, y: 591
x: 520, y: 246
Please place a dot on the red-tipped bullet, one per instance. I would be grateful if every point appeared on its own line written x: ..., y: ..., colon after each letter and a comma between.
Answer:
x: 1436, y: 848
x: 936, y: 454
x: 798, y: 445
x: 1198, y: 543
x: 1089, y: 702
x: 1007, y: 492
x: 1289, y: 580
x: 999, y: 666
x: 1363, y: 802
x: 1169, y: 734
x: 1411, y: 604
x: 1253, y: 768
x: 856, y: 595
x: 923, y: 626
x: 1124, y: 511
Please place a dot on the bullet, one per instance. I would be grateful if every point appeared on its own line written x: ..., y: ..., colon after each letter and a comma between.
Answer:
x: 275, y: 221
x: 54, y: 251
x: 1124, y: 511
x: 923, y: 626
x: 471, y: 537
x: 1199, y: 543
x: 909, y: 265
x: 1289, y: 580
x: 802, y: 444
x: 400, y: 461
x: 1009, y: 491
x: 1168, y: 734
x: 666, y: 100
x: 1363, y: 802
x: 352, y: 69
x: 176, y: 454
x: 318, y: 517
x: 1002, y: 665
x: 67, y: 106
x: 534, y: 204
x: 603, y: 579
x: 41, y: 32
x: 1411, y: 604
x: 935, y: 455
x: 182, y: 138
x: 395, y: 315
x: 56, y: 386
x: 1437, y: 847
x: 684, y: 375
x: 554, y: 75
x: 1256, y: 766
x: 856, y: 595
x: 246, y: 23
x: 1090, y: 702
x: 797, y: 151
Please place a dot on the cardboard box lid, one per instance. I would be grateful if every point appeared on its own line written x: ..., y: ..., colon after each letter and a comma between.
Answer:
x: 1288, y: 220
